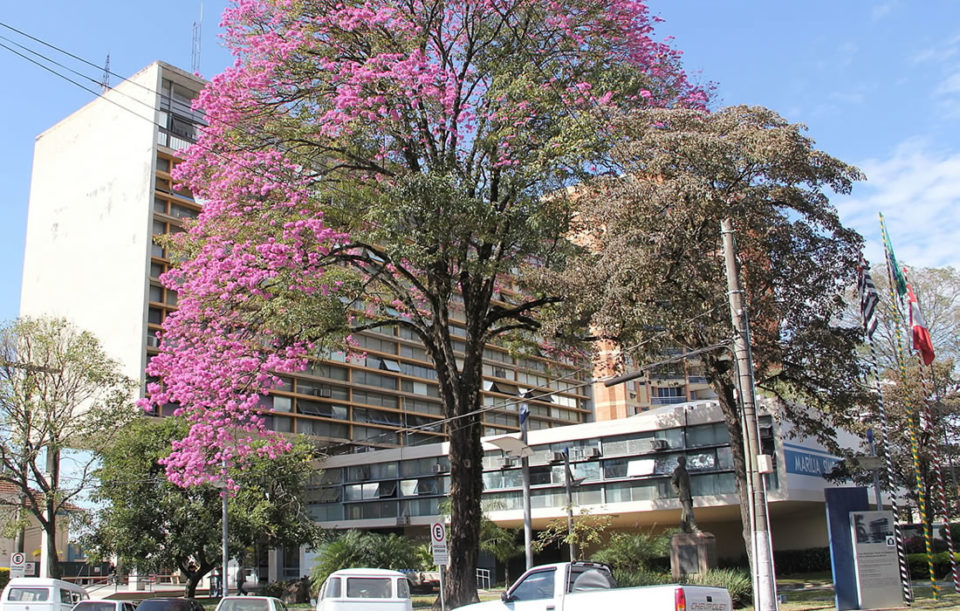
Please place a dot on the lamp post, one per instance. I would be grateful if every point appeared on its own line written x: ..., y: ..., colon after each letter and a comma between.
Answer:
x: 568, y: 485
x: 518, y: 448
x: 224, y: 552
x: 525, y: 475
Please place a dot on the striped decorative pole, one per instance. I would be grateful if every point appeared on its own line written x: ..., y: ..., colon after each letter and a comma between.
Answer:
x: 893, y: 273
x: 869, y: 298
x: 927, y: 427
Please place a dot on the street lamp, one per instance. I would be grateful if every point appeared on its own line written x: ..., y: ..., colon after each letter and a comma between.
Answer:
x: 518, y: 448
x: 224, y: 553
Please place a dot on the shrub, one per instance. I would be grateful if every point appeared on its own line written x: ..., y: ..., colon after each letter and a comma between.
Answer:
x: 274, y: 588
x: 920, y: 570
x: 737, y: 582
x: 634, y: 552
x: 4, y: 577
x: 628, y: 578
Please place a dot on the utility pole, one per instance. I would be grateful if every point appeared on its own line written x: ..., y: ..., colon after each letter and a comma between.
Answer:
x: 765, y: 587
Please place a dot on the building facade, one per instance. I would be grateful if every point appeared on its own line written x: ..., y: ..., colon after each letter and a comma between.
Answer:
x: 620, y: 468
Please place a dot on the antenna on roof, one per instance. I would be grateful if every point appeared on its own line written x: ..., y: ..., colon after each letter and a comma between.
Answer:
x: 195, y: 54
x: 105, y: 79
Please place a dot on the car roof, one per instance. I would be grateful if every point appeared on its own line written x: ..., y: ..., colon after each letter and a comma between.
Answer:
x: 366, y: 573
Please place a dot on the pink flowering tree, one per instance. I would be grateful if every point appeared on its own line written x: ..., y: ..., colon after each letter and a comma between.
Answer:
x: 390, y: 164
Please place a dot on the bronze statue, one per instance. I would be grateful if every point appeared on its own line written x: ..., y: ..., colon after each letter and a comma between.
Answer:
x: 680, y: 481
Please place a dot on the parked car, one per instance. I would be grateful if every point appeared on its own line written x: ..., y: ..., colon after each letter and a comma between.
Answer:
x: 251, y: 603
x: 106, y: 605
x: 588, y: 586
x: 170, y: 604
x: 367, y: 589
x: 40, y: 594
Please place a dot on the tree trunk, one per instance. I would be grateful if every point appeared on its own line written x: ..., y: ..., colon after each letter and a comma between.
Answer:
x: 733, y: 420
x: 53, y: 563
x: 466, y: 488
x: 190, y: 589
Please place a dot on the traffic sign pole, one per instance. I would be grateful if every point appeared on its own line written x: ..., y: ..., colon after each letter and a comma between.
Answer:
x: 438, y: 543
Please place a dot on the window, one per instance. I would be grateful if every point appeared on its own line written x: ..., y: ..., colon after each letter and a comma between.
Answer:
x: 28, y: 594
x: 369, y: 587
x: 154, y: 316
x: 332, y: 589
x: 536, y: 586
x: 390, y: 365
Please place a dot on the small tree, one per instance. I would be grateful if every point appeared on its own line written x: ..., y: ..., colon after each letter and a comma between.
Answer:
x: 60, y: 395
x: 354, y: 549
x: 632, y: 551
x: 151, y: 523
x: 587, y: 532
x: 504, y: 544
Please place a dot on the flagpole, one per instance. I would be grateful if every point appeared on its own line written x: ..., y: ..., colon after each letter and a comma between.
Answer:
x: 869, y: 299
x: 926, y: 423
x: 897, y: 287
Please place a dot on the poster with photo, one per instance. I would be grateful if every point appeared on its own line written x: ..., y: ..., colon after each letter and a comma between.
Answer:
x: 875, y: 558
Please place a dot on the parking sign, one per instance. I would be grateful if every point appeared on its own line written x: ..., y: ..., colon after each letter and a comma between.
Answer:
x: 438, y: 541
x: 18, y: 564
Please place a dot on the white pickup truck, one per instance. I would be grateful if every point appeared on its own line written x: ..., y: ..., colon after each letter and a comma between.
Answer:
x: 589, y: 586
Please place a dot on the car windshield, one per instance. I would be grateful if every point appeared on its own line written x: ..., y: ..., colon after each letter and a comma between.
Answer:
x: 165, y: 604
x: 244, y: 604
x: 95, y: 605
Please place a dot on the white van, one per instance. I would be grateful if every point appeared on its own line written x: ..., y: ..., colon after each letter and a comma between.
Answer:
x: 366, y: 590
x: 40, y: 594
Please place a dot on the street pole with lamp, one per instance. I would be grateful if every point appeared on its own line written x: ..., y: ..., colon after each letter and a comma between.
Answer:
x: 518, y: 448
x: 568, y: 485
x: 221, y: 485
x: 525, y: 474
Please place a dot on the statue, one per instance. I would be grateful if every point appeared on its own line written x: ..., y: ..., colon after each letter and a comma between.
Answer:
x: 680, y: 481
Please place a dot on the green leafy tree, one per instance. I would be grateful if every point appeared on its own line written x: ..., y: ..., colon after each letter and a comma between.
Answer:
x: 504, y: 544
x: 150, y: 523
x: 587, y: 532
x: 355, y: 549
x: 633, y: 551
x: 653, y: 276
x: 61, y: 396
x: 938, y: 292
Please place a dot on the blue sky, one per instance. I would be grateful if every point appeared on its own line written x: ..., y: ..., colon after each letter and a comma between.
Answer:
x: 877, y: 83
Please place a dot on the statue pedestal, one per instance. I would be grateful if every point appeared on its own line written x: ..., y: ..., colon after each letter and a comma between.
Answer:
x: 692, y: 553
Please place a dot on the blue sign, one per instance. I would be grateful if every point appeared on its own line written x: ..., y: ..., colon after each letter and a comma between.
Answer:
x: 805, y: 463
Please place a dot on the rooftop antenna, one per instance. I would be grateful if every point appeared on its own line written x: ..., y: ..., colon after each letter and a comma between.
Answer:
x: 105, y: 79
x: 195, y: 55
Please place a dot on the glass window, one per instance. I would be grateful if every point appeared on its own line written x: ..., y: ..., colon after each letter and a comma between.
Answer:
x: 28, y: 594
x: 535, y: 586
x: 333, y: 588
x: 154, y: 316
x: 282, y: 404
